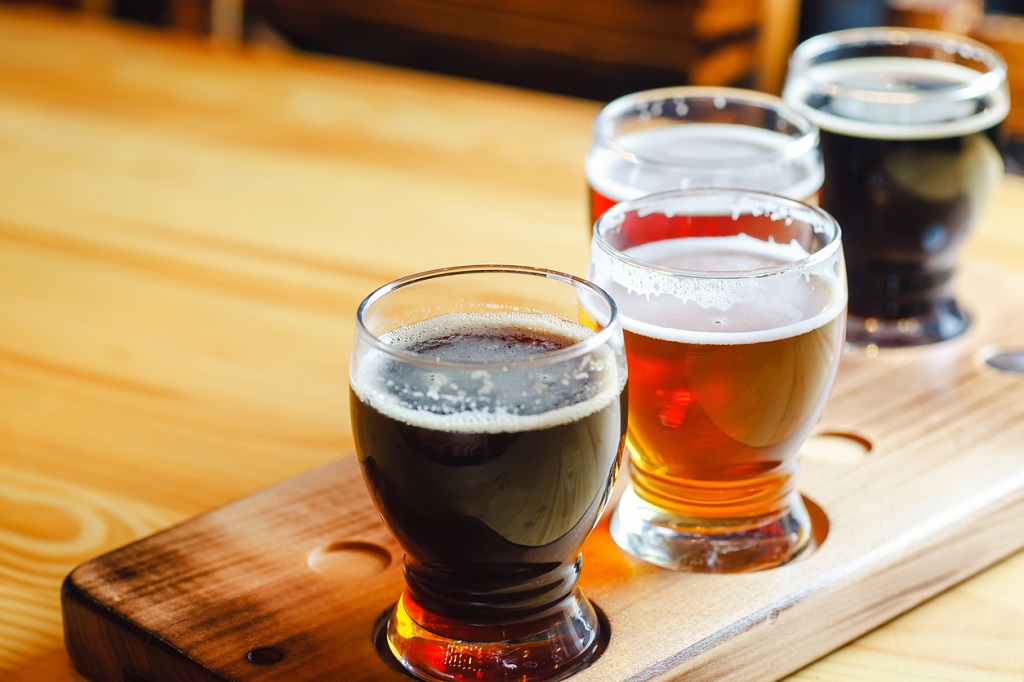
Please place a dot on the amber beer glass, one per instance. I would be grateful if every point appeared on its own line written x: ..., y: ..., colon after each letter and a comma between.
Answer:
x: 733, y: 308
x: 489, y: 415
x: 682, y: 137
x: 909, y: 122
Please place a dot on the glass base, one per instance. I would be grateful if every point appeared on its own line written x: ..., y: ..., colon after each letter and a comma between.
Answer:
x: 665, y: 540
x: 946, y: 321
x: 549, y: 647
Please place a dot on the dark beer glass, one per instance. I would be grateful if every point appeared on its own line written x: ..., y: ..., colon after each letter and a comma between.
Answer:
x: 489, y: 414
x: 909, y: 123
x: 733, y: 306
x: 682, y: 137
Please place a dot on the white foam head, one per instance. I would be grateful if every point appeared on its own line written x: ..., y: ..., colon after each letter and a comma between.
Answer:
x: 721, y: 289
x: 683, y: 304
x: 488, y: 396
x: 687, y: 155
x: 691, y: 136
x: 898, y: 98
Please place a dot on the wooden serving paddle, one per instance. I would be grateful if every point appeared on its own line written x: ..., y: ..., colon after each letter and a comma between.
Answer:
x: 916, y: 481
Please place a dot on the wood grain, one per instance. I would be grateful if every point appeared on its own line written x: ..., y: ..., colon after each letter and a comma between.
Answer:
x: 185, y: 231
x: 937, y: 495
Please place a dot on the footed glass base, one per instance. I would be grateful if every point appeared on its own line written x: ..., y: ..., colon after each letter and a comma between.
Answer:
x: 945, y: 321
x: 665, y: 540
x: 548, y: 647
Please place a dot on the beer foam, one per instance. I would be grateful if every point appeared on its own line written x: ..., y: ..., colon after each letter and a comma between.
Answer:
x: 894, y: 98
x: 661, y: 302
x: 734, y: 337
x: 484, y: 389
x: 703, y: 155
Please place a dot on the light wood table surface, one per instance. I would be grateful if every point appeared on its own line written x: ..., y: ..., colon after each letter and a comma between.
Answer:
x: 185, y: 232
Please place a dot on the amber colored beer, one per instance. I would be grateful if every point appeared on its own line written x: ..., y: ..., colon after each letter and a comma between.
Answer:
x: 716, y: 415
x: 490, y: 441
x: 733, y: 330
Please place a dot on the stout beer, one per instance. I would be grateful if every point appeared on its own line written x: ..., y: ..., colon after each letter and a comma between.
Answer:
x: 908, y: 134
x: 489, y: 413
x: 488, y: 476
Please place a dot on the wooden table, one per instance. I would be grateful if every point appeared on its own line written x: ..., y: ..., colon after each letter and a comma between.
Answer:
x: 185, y: 232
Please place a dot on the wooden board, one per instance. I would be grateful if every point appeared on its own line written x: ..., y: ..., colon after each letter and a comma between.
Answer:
x: 298, y: 574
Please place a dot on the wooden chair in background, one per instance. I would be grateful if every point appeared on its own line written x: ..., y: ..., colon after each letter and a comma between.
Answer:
x: 589, y: 48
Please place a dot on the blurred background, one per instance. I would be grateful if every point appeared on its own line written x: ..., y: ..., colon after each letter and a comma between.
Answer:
x: 593, y: 49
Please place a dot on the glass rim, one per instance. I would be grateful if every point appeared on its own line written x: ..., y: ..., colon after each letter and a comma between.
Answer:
x: 987, y: 82
x: 798, y: 146
x: 821, y: 216
x: 599, y: 338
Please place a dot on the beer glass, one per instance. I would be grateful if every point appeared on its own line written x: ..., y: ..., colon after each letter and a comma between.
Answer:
x: 682, y: 137
x: 909, y: 122
x: 733, y: 310
x: 489, y: 416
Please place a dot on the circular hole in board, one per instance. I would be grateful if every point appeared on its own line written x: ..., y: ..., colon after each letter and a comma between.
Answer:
x: 819, y: 523
x: 837, y: 446
x: 349, y: 560
x: 265, y: 655
x: 1002, y: 360
x: 819, y: 531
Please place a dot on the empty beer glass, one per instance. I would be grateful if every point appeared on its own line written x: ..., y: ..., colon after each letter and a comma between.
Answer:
x: 489, y: 415
x: 733, y: 308
x: 682, y: 137
x: 909, y: 121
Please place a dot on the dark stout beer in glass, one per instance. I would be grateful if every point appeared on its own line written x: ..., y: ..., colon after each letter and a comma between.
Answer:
x: 675, y: 138
x: 733, y: 308
x: 489, y: 412
x: 909, y: 127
